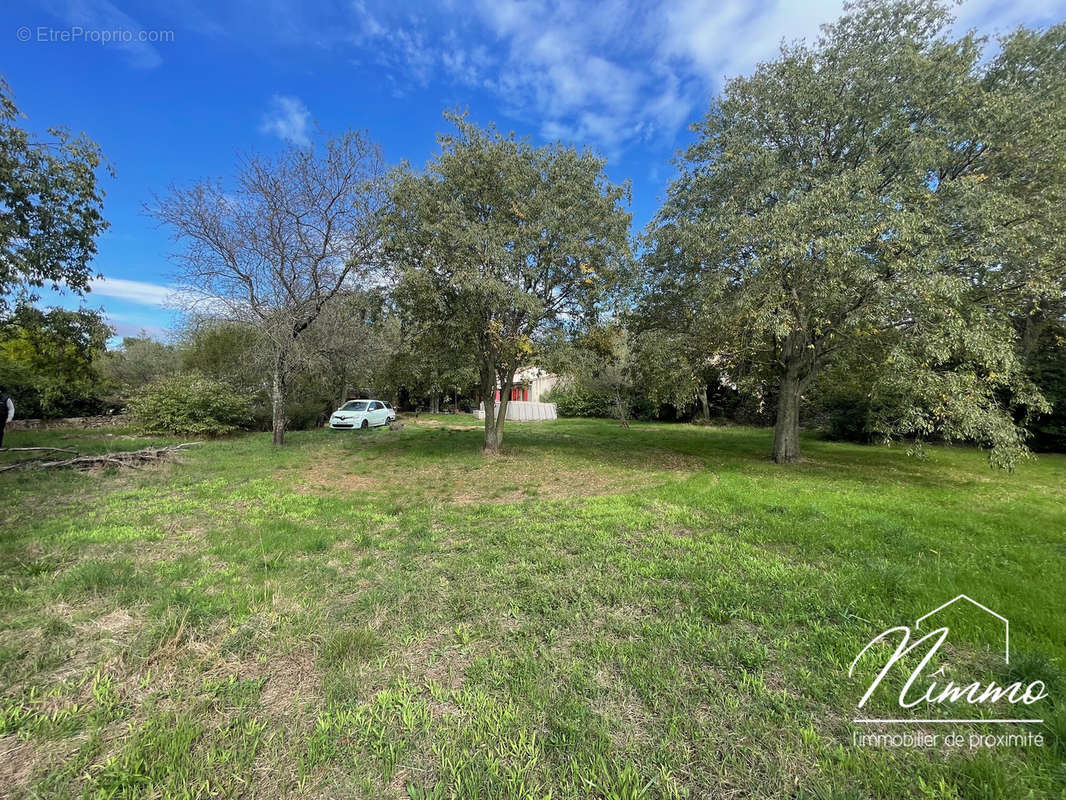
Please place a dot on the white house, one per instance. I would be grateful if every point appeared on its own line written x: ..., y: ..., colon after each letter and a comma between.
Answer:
x: 530, y: 386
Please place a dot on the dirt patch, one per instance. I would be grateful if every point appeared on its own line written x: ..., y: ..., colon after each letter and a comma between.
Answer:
x: 116, y: 625
x: 291, y: 678
x: 506, y: 478
x: 18, y: 759
x: 437, y: 658
x: 553, y: 466
x: 329, y: 475
x: 628, y: 720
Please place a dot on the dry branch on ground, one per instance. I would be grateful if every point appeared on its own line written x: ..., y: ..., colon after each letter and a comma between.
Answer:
x: 123, y: 458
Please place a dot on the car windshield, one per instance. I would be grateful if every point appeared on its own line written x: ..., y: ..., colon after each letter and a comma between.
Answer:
x: 355, y: 405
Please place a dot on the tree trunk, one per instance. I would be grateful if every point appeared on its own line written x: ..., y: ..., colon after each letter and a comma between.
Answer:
x: 1032, y: 329
x: 277, y: 400
x: 786, y: 428
x: 492, y: 443
x: 705, y: 401
x: 493, y: 436
x: 343, y: 393
x: 492, y: 447
x: 494, y: 419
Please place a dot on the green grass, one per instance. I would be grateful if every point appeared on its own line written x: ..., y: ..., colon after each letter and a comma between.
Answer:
x: 657, y: 612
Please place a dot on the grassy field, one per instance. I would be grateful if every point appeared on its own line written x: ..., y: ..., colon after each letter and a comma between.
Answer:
x: 649, y: 613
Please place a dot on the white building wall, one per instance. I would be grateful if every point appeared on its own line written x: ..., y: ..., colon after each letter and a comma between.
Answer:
x: 523, y: 411
x: 540, y: 386
x: 540, y: 383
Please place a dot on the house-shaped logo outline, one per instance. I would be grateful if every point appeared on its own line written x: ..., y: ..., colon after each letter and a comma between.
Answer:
x: 1006, y: 622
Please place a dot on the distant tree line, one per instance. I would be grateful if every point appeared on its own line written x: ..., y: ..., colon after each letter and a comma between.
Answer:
x: 867, y: 235
x: 57, y: 363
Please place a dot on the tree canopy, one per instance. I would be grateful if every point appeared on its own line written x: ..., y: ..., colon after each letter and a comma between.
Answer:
x: 887, y: 195
x: 51, y: 207
x: 498, y: 242
x: 49, y: 359
x: 283, y: 245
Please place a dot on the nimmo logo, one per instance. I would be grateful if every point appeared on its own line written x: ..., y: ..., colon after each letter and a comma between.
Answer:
x: 920, y: 688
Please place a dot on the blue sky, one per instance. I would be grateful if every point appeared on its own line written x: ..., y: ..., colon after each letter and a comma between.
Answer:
x: 215, y: 79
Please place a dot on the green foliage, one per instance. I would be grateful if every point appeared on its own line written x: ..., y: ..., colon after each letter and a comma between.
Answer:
x: 844, y: 415
x: 1047, y: 369
x: 574, y: 399
x: 225, y: 351
x: 428, y: 365
x: 598, y: 366
x: 137, y: 362
x: 578, y: 398
x: 499, y: 242
x: 305, y: 413
x: 671, y: 367
x: 351, y: 348
x: 190, y: 404
x: 52, y: 207
x: 888, y: 185
x: 48, y: 360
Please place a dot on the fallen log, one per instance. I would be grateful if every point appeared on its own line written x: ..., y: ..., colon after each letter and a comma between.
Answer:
x: 132, y: 459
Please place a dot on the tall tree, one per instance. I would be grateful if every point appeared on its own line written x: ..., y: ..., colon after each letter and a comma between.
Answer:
x: 886, y: 182
x: 675, y: 368
x: 499, y: 241
x: 277, y: 249
x: 51, y: 207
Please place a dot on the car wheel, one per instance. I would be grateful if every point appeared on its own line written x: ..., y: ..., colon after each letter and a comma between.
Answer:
x: 365, y: 425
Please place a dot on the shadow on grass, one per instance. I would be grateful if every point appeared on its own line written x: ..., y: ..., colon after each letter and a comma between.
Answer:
x: 589, y: 443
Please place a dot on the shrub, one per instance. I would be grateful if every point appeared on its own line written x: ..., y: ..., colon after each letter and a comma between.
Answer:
x: 578, y: 399
x: 573, y: 400
x: 190, y: 404
x: 304, y: 415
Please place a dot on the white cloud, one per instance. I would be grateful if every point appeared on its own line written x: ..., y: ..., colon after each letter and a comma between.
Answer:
x: 606, y: 76
x: 185, y: 299
x: 466, y: 65
x: 145, y: 294
x: 566, y: 68
x: 993, y: 16
x: 718, y: 40
x: 288, y: 119
x: 616, y: 72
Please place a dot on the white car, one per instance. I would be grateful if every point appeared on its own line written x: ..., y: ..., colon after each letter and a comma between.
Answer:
x: 362, y: 414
